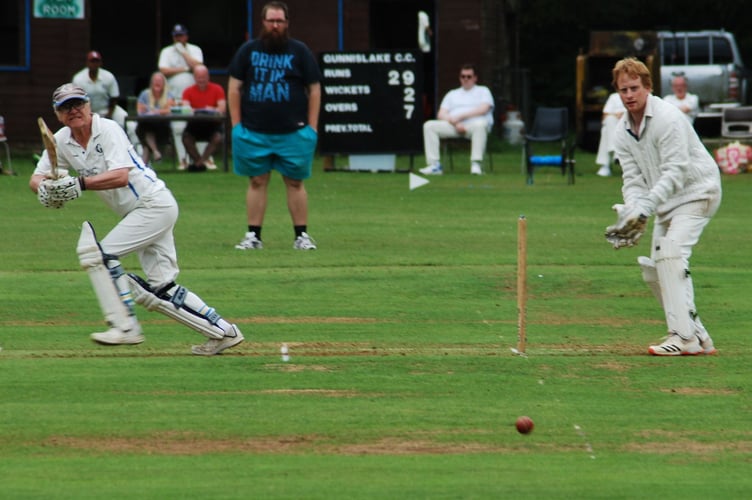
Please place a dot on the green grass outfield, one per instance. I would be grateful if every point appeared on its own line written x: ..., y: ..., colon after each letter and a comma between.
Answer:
x: 401, y: 382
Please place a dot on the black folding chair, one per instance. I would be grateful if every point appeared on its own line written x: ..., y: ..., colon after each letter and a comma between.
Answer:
x: 551, y: 125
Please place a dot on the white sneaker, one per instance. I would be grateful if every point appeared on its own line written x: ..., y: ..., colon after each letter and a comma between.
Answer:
x: 304, y: 242
x: 432, y: 170
x: 475, y: 169
x: 674, y: 345
x: 704, y: 337
x: 707, y: 346
x: 216, y: 346
x: 250, y: 242
x: 604, y: 171
x: 210, y: 165
x: 116, y: 336
x: 182, y: 165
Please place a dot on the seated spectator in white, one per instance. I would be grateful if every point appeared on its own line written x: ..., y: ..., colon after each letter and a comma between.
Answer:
x: 685, y: 101
x: 466, y: 111
x: 612, y: 113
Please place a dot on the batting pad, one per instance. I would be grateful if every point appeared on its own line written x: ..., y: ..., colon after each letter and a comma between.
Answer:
x: 177, y: 310
x: 650, y: 276
x: 676, y: 288
x: 116, y: 312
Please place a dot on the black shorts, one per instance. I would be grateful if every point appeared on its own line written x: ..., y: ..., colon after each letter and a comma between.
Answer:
x: 161, y: 130
x: 202, y: 131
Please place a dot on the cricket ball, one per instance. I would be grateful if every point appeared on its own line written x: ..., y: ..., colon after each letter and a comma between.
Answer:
x: 524, y: 425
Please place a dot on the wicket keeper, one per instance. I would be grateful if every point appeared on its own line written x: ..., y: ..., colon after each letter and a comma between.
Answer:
x: 668, y: 173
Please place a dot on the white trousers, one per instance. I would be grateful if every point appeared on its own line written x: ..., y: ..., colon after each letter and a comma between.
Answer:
x: 606, y: 144
x: 147, y: 231
x: 684, y: 225
x: 177, y: 136
x: 435, y: 130
x: 130, y: 129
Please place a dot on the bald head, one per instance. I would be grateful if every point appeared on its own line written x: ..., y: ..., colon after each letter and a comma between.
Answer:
x: 679, y: 86
x: 201, y: 74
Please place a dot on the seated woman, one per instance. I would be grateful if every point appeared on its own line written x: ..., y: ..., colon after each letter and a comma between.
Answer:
x: 155, y: 100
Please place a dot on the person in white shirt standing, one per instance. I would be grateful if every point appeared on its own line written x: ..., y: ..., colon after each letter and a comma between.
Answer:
x: 688, y: 103
x: 176, y: 62
x: 102, y: 88
x: 666, y: 172
x: 466, y: 111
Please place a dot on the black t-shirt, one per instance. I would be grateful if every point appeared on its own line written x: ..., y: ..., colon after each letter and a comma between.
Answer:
x: 274, y: 96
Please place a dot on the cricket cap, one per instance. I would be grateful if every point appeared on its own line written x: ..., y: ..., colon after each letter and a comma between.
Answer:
x: 66, y: 92
x: 179, y: 29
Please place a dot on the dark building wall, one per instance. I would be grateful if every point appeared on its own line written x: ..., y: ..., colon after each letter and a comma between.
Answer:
x: 57, y: 48
x: 458, y: 41
x: 57, y: 53
x: 314, y: 23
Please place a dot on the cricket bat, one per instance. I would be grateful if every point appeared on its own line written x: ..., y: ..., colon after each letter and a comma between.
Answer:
x: 48, y: 138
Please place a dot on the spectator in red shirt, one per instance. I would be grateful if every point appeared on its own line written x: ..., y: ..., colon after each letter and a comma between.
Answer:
x: 205, y: 97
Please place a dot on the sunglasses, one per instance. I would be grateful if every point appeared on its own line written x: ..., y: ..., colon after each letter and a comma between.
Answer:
x: 71, y: 105
x: 467, y: 77
x: 275, y: 21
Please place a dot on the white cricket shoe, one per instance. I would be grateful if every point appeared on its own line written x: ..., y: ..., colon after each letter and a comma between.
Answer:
x: 210, y: 165
x: 604, y: 171
x: 475, y: 169
x: 250, y: 242
x: 116, y: 336
x: 704, y: 337
x: 674, y: 345
x: 304, y: 242
x: 432, y: 170
x: 707, y: 346
x: 216, y: 346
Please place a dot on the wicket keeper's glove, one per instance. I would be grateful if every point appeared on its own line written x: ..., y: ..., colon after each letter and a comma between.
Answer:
x: 629, y: 228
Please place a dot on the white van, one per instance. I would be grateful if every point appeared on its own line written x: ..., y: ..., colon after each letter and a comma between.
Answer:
x: 709, y: 59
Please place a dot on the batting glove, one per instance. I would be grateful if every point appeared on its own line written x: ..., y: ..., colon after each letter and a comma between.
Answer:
x: 44, y: 197
x: 66, y: 189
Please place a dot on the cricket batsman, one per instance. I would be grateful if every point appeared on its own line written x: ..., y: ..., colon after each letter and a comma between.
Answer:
x: 108, y: 165
x: 667, y: 173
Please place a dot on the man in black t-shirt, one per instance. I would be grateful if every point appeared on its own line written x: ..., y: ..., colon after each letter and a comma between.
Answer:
x: 274, y: 96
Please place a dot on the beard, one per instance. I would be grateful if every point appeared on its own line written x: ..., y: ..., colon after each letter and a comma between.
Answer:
x: 274, y: 41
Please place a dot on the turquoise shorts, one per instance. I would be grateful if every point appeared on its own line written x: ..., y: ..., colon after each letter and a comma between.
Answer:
x: 256, y: 153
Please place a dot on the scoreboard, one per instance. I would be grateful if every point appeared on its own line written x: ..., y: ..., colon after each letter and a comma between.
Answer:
x: 371, y: 102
